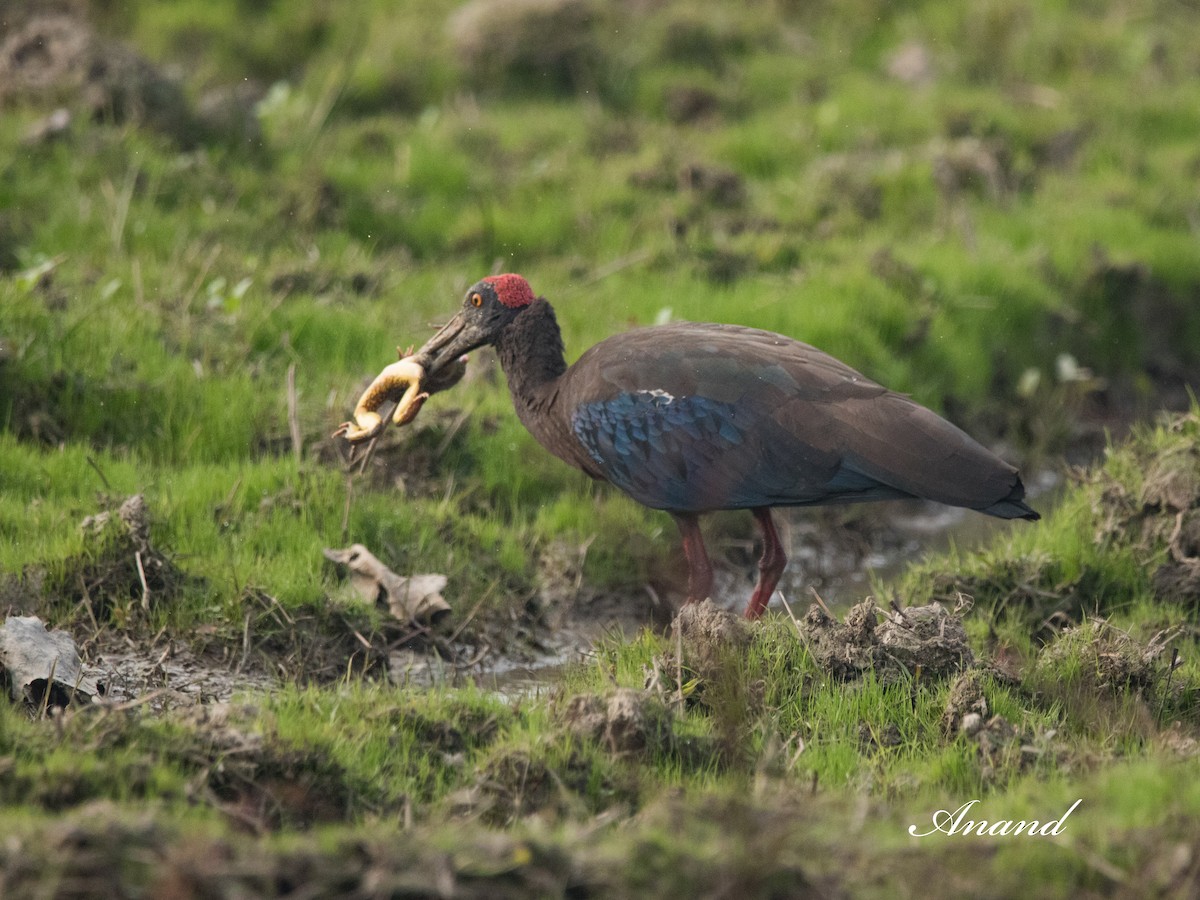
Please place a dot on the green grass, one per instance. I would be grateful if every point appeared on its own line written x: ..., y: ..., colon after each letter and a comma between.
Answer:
x: 952, y: 239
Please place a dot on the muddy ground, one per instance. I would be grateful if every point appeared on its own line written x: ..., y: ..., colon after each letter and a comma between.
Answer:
x: 320, y: 645
x: 208, y: 797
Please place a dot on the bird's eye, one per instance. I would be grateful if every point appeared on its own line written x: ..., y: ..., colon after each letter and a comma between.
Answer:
x: 477, y: 299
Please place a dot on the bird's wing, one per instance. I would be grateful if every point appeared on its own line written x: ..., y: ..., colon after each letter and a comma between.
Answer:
x: 895, y: 441
x: 681, y: 416
x: 695, y: 417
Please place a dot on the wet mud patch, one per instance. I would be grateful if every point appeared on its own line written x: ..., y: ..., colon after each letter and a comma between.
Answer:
x: 171, y: 674
x: 111, y: 595
x: 927, y: 639
x: 312, y: 642
x: 567, y: 616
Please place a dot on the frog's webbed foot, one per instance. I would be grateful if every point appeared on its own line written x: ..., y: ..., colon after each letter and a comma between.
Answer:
x: 401, y: 381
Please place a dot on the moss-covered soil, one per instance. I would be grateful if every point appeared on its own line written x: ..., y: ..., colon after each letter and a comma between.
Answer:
x: 219, y: 218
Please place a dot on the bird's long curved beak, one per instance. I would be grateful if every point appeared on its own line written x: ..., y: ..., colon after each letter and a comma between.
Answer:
x: 454, y: 339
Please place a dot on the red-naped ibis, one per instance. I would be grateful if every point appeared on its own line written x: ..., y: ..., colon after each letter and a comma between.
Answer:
x: 691, y: 418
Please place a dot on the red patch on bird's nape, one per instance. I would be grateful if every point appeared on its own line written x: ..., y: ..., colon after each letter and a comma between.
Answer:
x: 511, y: 290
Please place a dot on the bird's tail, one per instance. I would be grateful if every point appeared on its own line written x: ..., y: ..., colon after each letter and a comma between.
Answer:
x: 1013, y: 506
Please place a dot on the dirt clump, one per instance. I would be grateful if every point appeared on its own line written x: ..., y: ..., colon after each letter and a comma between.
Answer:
x: 1101, y: 658
x: 515, y: 784
x: 706, y: 624
x: 626, y: 721
x: 54, y: 58
x: 872, y: 739
x: 966, y: 705
x: 1001, y: 746
x: 1161, y: 514
x: 553, y: 45
x: 999, y: 742
x: 1033, y: 588
x: 1169, y: 485
x: 1172, y: 482
x: 972, y: 165
x: 687, y: 104
x: 1170, y: 505
x: 713, y: 184
x: 707, y: 645
x: 1178, y: 581
x: 911, y: 63
x: 846, y: 649
x: 1178, y: 577
x: 120, y: 575
x: 258, y: 780
x: 310, y: 643
x: 708, y: 634
x: 927, y: 638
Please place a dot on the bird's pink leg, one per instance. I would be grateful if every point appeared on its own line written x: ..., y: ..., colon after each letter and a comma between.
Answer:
x: 770, y: 564
x: 700, y: 572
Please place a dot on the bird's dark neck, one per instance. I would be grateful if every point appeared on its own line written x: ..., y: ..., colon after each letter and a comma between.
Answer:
x: 531, y: 353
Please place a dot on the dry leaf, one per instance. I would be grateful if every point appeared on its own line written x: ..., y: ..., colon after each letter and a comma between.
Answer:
x: 416, y: 598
